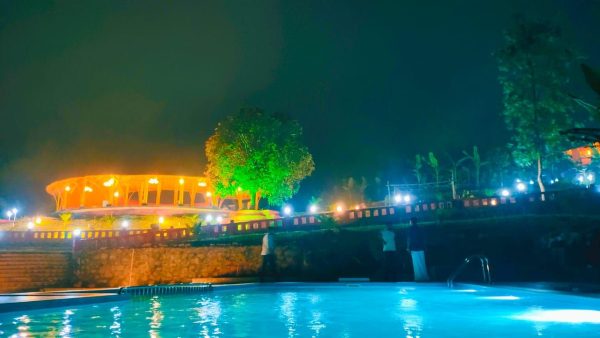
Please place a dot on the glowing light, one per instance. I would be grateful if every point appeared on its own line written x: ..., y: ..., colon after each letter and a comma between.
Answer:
x: 67, y: 188
x: 590, y: 177
x: 287, y: 210
x: 239, y: 189
x: 116, y: 194
x: 87, y: 189
x: 407, y: 198
x: 562, y: 316
x: 219, y: 219
x: 153, y: 180
x: 521, y: 186
x: 209, y: 218
x: 500, y: 297
x: 339, y: 208
x: 14, y: 210
x: 397, y: 198
x: 208, y: 194
x: 181, y: 181
x: 9, y: 214
x: 531, y: 182
x: 125, y: 224
x: 30, y: 225
x: 518, y: 180
x: 313, y: 208
x: 466, y: 290
x: 77, y: 233
x: 580, y: 178
x: 161, y: 220
x: 504, y: 192
x: 494, y: 202
x: 38, y: 220
x: 556, y: 180
x: 109, y: 183
x: 202, y: 184
x: 551, y: 181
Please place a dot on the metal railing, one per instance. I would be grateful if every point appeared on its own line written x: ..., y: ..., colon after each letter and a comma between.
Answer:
x: 165, y: 289
x: 485, y: 269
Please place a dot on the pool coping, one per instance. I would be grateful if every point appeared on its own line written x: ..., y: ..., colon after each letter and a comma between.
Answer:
x: 44, y: 300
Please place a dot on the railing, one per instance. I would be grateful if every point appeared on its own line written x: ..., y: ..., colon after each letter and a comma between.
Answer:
x: 167, y: 289
x: 485, y: 269
x: 367, y: 216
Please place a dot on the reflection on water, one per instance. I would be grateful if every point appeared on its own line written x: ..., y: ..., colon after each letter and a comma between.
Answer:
x: 288, y: 311
x: 156, y: 318
x: 115, y: 327
x: 66, y: 329
x: 208, y: 311
x: 22, y: 323
x: 413, y: 326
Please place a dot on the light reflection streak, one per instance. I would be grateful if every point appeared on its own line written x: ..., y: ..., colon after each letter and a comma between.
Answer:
x: 413, y: 326
x: 209, y: 311
x: 115, y: 328
x: 288, y: 311
x: 23, y: 326
x: 66, y: 329
x: 157, y: 317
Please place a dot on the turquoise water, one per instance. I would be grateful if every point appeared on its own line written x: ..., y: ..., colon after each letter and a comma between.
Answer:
x: 324, y: 310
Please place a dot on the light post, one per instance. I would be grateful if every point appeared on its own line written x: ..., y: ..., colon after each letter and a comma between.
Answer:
x: 12, y: 213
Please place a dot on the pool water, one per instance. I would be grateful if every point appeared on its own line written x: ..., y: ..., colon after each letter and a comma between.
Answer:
x: 324, y: 310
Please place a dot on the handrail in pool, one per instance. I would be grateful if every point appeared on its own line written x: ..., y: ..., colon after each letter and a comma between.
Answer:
x: 485, y: 269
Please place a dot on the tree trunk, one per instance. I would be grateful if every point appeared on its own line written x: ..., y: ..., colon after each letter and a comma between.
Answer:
x: 256, y: 200
x: 539, y: 177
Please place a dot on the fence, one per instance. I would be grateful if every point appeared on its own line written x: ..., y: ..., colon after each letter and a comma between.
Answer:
x: 367, y: 216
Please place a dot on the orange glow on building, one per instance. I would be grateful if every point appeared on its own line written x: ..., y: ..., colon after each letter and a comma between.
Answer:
x: 583, y: 155
x: 98, y: 191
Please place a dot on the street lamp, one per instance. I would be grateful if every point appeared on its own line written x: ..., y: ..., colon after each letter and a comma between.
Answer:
x: 313, y: 208
x: 287, y: 210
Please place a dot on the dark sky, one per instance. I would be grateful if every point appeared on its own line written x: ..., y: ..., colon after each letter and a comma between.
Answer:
x: 138, y: 86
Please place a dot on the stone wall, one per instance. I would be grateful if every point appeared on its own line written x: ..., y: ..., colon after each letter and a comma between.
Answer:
x: 34, y: 270
x: 520, y: 249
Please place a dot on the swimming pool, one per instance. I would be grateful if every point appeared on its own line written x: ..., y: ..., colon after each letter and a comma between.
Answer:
x: 324, y: 310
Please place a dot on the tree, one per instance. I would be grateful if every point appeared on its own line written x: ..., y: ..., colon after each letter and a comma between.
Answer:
x: 477, y: 164
x: 259, y: 153
x: 418, y: 168
x: 533, y: 71
x: 435, y: 166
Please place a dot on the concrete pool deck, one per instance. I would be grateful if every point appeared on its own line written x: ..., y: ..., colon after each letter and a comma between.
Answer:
x: 41, y: 300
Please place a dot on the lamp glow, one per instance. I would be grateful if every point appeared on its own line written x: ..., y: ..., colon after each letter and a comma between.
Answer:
x: 219, y: 219
x: 125, y: 224
x: 161, y: 220
x: 153, y: 180
x: 30, y: 225
x: 397, y: 198
x: 208, y: 194
x: 109, y: 183
x: 77, y: 233
x: 407, y: 198
x: 67, y: 188
x: 202, y: 184
x: 116, y: 194
x: 504, y: 192
x: 521, y: 186
x: 313, y: 208
x: 339, y: 208
x: 209, y: 218
x: 181, y: 181
x: 287, y: 210
x: 9, y: 214
x: 38, y: 220
x: 87, y: 189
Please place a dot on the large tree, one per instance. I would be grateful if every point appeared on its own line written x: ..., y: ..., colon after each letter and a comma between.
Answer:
x: 534, y: 69
x: 259, y: 153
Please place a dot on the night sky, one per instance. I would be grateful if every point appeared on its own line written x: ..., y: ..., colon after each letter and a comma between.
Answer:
x: 138, y: 86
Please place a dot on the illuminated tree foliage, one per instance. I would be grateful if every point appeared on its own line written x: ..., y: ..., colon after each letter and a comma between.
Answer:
x: 259, y: 153
x: 533, y: 67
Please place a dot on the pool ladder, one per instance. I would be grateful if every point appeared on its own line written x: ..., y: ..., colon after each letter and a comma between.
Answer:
x: 485, y: 269
x: 165, y: 289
